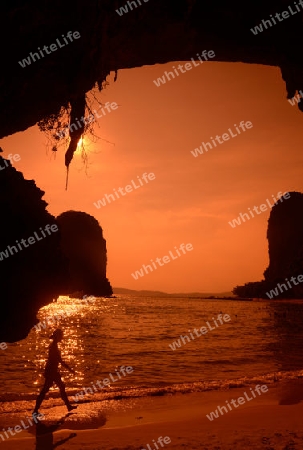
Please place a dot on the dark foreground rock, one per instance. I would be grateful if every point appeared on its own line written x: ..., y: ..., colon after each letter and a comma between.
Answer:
x: 41, y: 258
x: 31, y: 276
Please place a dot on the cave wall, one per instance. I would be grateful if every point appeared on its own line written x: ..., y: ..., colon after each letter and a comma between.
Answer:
x: 32, y: 275
x: 156, y: 32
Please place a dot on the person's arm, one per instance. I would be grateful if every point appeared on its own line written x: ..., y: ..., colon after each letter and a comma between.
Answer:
x: 64, y: 364
x: 67, y: 366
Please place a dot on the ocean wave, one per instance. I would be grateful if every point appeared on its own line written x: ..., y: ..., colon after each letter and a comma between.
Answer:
x: 168, y: 389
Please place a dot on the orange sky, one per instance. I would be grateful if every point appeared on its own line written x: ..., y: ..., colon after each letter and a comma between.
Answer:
x: 191, y: 199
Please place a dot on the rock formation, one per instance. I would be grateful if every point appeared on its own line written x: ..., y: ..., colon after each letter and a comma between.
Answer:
x: 156, y: 32
x: 285, y: 238
x: 38, y: 264
x: 285, y: 247
x: 85, y: 248
x: 31, y: 275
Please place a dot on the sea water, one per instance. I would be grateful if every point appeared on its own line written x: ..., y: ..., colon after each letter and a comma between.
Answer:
x: 261, y: 342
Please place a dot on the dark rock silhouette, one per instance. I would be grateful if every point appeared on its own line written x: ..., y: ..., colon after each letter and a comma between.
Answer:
x: 285, y: 247
x: 253, y: 289
x: 31, y: 276
x: 285, y: 238
x: 156, y: 32
x: 84, y: 246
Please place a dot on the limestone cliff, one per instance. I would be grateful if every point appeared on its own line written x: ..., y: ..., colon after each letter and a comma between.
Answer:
x: 41, y: 257
x: 85, y: 248
x: 285, y: 237
x: 285, y: 247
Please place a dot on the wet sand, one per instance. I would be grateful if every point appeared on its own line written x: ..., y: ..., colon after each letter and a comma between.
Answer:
x: 272, y: 421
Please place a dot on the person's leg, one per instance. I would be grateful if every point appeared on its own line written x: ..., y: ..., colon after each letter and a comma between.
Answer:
x: 47, y: 385
x: 63, y: 394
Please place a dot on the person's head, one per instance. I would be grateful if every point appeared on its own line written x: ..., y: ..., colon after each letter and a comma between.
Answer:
x: 57, y: 335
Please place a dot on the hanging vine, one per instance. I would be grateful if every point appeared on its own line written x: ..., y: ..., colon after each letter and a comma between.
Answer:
x: 72, y: 123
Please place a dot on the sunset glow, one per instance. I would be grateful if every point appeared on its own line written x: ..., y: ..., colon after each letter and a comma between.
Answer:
x: 192, y: 199
x: 79, y: 146
x: 151, y: 245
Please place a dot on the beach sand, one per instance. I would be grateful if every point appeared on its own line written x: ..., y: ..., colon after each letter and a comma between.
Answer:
x: 272, y: 421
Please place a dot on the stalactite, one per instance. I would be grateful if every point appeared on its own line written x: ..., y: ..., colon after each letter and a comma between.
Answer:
x: 76, y: 131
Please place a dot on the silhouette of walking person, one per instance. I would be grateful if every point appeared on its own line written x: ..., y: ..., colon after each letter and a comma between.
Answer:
x: 52, y: 374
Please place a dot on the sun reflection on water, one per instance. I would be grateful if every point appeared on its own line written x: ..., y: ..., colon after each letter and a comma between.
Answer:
x: 68, y: 314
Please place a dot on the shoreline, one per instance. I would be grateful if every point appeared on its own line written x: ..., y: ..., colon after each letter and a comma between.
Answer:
x: 273, y: 419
